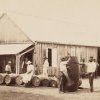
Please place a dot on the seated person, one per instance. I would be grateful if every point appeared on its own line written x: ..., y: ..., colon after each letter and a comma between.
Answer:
x: 8, y: 68
x: 30, y: 71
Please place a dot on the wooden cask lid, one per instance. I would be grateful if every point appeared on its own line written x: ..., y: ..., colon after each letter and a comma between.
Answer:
x: 35, y: 81
x: 19, y: 80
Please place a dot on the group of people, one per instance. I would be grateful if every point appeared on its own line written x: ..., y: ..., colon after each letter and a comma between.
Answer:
x: 90, y: 71
x: 29, y: 70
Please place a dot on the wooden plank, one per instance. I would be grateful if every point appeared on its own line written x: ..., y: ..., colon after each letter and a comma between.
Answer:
x: 78, y: 53
x: 62, y: 50
x: 69, y: 49
x: 66, y: 50
x: 72, y: 50
x: 16, y: 64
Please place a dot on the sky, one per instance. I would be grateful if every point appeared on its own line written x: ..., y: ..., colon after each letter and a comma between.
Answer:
x: 65, y: 21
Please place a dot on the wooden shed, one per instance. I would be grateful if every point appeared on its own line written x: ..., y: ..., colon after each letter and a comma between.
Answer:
x: 55, y: 51
x: 15, y: 45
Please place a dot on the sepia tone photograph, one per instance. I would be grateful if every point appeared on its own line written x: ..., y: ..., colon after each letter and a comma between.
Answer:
x: 49, y: 49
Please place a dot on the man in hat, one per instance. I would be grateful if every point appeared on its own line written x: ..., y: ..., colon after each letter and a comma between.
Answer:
x: 63, y: 74
x: 91, y: 68
x: 45, y: 67
x: 30, y: 72
x: 8, y: 68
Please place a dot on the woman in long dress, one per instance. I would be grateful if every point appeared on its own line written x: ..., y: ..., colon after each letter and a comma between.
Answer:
x: 45, y: 67
x: 29, y: 74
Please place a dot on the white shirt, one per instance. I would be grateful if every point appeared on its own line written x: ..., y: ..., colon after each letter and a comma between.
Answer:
x: 91, y: 67
x: 63, y: 65
x: 45, y: 65
x: 8, y: 68
x: 30, y: 68
x: 28, y: 75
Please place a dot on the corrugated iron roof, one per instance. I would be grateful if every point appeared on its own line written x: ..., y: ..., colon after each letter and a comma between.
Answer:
x: 6, y: 49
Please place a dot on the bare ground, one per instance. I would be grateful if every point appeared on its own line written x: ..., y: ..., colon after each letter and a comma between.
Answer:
x: 47, y: 93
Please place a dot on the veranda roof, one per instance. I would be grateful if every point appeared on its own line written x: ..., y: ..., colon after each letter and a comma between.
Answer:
x: 7, y: 49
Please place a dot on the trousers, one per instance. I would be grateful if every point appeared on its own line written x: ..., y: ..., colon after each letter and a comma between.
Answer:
x: 62, y: 82
x: 91, y: 78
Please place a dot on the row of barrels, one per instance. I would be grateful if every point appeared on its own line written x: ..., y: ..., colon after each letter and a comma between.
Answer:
x: 37, y: 80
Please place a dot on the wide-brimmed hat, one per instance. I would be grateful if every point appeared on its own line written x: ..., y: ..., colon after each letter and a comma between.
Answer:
x: 29, y: 62
x: 9, y: 62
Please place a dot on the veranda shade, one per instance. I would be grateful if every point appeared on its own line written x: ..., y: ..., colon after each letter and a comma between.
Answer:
x: 6, y: 49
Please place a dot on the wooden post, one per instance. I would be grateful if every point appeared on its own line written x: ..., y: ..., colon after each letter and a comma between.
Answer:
x: 17, y: 64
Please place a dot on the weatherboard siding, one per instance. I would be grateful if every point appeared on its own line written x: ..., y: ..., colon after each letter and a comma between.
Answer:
x: 82, y: 52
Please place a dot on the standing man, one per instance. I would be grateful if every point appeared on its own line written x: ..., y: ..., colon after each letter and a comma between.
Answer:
x: 63, y: 74
x: 8, y: 68
x: 45, y: 67
x: 91, y: 68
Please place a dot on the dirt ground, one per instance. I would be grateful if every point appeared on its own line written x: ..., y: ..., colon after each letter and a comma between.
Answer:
x: 47, y: 93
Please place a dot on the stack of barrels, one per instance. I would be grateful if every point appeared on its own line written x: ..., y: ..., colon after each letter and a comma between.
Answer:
x: 51, y: 80
x: 7, y: 79
x: 10, y: 79
x: 36, y: 81
x: 39, y: 80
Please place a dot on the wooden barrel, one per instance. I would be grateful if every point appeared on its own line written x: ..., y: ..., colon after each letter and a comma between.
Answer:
x: 2, y: 78
x: 73, y: 72
x: 36, y: 81
x: 10, y: 79
x: 19, y: 79
x: 53, y: 82
x: 45, y: 82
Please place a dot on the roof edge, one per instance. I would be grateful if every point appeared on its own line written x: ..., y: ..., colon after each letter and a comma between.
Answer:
x: 69, y: 44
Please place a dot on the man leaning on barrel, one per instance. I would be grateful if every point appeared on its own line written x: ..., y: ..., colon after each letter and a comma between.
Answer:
x: 63, y: 74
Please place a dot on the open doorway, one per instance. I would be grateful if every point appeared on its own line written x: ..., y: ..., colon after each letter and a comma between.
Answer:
x: 23, y: 62
x: 51, y: 53
x: 29, y: 56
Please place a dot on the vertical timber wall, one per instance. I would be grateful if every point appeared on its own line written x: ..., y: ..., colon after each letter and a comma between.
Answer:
x: 82, y: 52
